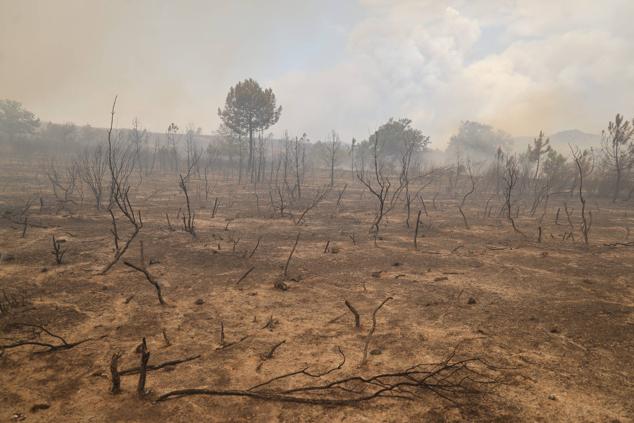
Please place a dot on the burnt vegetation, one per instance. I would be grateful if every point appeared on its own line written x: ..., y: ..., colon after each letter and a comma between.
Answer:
x: 374, y: 258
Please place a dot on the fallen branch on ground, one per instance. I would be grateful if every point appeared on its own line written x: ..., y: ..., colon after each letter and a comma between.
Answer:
x: 150, y: 367
x: 147, y: 274
x: 65, y: 345
x: 243, y: 277
x: 448, y: 379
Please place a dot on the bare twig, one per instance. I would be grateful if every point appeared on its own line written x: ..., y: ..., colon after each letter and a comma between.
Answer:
x: 257, y: 244
x: 243, y: 277
x: 152, y: 367
x: 150, y: 279
x: 291, y: 255
x: 369, y: 336
x: 357, y: 320
x: 147, y: 274
x: 269, y: 354
x: 416, y: 231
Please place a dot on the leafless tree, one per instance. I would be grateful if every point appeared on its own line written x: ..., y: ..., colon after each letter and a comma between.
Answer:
x: 138, y: 137
x: 467, y: 194
x: 584, y: 161
x: 408, y: 149
x: 381, y: 187
x: 193, y: 152
x: 332, y: 153
x: 190, y: 216
x: 64, y: 184
x: 120, y: 165
x: 510, y: 178
x: 92, y: 166
x: 172, y: 137
x: 299, y: 152
x: 318, y: 198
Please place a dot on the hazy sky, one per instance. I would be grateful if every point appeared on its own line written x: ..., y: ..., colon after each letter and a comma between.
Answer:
x: 521, y: 65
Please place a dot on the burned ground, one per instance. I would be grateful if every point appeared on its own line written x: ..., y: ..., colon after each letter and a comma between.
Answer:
x: 554, y: 317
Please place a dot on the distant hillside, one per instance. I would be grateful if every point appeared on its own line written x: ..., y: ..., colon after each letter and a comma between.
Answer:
x: 560, y: 140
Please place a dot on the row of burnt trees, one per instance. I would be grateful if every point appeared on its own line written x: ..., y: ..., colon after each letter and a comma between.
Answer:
x: 389, y: 181
x: 388, y: 165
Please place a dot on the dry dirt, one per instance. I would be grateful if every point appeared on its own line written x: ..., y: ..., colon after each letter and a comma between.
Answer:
x: 556, y: 316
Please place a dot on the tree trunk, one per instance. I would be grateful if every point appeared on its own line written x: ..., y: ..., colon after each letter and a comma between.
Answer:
x: 250, y: 164
x: 617, y: 185
x: 332, y: 170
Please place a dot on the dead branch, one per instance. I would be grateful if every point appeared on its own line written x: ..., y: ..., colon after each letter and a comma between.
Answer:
x: 152, y: 367
x: 165, y: 338
x: 416, y: 230
x: 291, y: 255
x: 620, y: 244
x: 270, y: 323
x: 449, y: 379
x: 189, y: 219
x: 58, y: 252
x: 303, y: 372
x: 115, y: 232
x: 569, y: 217
x: 471, y: 178
x: 149, y: 278
x: 231, y: 344
x: 243, y: 277
x: 339, y: 197
x: 169, y: 224
x: 64, y: 345
x: 147, y: 274
x: 269, y: 354
x: 319, y: 196
x: 464, y: 218
x: 257, y: 244
x: 215, y: 208
x: 369, y: 336
x: 357, y: 320
x: 120, y: 165
x: 225, y: 345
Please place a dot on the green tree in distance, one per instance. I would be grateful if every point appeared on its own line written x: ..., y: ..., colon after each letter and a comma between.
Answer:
x: 249, y: 109
x: 15, y: 121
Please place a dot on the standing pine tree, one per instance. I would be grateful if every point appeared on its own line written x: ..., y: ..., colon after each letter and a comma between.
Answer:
x: 248, y: 109
x: 614, y: 144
